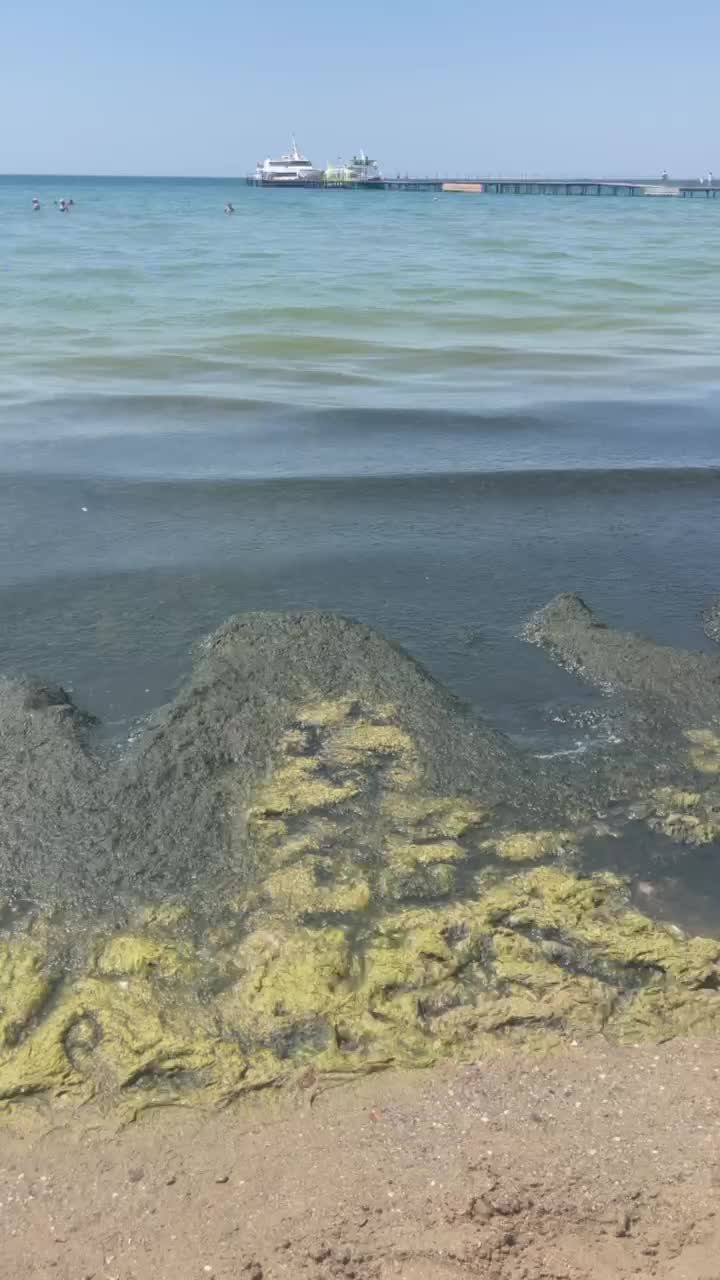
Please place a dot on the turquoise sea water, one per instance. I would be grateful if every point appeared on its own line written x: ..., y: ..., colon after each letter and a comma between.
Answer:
x: 364, y: 299
x: 430, y: 411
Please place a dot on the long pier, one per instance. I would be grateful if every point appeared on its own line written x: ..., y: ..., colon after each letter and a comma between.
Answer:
x: 517, y: 186
x: 558, y: 187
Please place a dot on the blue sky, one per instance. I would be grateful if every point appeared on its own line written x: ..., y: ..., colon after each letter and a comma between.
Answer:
x: 427, y: 86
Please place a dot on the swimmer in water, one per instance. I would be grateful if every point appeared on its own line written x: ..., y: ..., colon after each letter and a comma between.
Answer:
x: 35, y: 203
x: 229, y: 208
x: 62, y: 206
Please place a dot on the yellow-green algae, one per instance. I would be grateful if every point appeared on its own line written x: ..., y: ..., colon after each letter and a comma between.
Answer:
x: 417, y: 881
x: 691, y: 815
x: 432, y: 816
x: 133, y: 953
x: 419, y: 870
x: 165, y: 915
x: 298, y: 786
x: 353, y: 744
x: 538, y: 958
x: 705, y: 750
x: 531, y: 846
x: 688, y: 817
x: 24, y: 986
x: 401, y: 852
x: 287, y: 976
x: 299, y: 889
x: 347, y: 779
x: 361, y: 942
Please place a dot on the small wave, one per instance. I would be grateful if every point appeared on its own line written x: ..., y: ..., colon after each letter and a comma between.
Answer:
x: 535, y: 481
x: 128, y: 404
x: 347, y: 487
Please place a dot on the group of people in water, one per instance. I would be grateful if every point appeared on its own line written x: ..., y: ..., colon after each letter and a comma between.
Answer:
x: 66, y: 205
x: 63, y: 205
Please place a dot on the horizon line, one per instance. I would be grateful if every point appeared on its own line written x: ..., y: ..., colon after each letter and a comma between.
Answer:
x: 449, y: 175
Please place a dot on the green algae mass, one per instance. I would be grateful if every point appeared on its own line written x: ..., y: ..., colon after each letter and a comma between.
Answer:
x: 433, y: 816
x: 704, y: 750
x: 134, y: 953
x: 417, y: 880
x: 299, y: 889
x: 536, y: 959
x: 364, y: 935
x: 24, y: 986
x: 297, y: 787
x: 531, y: 846
x: 425, y: 869
x: 688, y: 817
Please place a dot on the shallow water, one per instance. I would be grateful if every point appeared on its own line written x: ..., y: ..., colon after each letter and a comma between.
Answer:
x: 429, y: 412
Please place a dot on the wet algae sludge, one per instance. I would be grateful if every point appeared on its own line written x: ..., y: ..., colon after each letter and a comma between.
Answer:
x: 315, y: 858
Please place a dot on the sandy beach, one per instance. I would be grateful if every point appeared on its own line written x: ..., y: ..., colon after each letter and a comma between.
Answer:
x: 596, y: 1164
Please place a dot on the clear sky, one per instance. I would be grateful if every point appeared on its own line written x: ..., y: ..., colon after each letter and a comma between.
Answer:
x: 427, y: 86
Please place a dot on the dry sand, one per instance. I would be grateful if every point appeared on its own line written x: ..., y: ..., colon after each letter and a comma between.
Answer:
x: 599, y: 1163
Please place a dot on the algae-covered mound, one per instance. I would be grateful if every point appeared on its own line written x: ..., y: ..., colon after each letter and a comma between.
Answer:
x: 671, y: 723
x: 53, y: 820
x: 169, y: 815
x: 261, y: 677
x: 677, y: 685
x: 316, y: 857
x: 527, y: 962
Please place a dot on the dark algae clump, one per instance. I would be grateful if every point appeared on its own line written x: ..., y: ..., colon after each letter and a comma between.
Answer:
x: 316, y: 858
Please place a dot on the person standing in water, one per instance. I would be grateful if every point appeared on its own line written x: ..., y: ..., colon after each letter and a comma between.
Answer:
x: 35, y: 204
x: 229, y: 208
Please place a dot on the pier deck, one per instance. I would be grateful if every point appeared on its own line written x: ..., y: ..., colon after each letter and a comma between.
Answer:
x: 522, y: 186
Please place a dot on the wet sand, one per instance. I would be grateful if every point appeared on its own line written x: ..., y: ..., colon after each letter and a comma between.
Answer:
x: 594, y: 1164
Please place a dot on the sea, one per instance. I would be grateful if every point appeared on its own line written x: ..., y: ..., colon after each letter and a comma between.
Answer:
x: 432, y: 412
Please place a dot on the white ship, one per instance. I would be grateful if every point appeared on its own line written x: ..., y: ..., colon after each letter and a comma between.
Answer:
x: 360, y: 170
x: 293, y: 169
